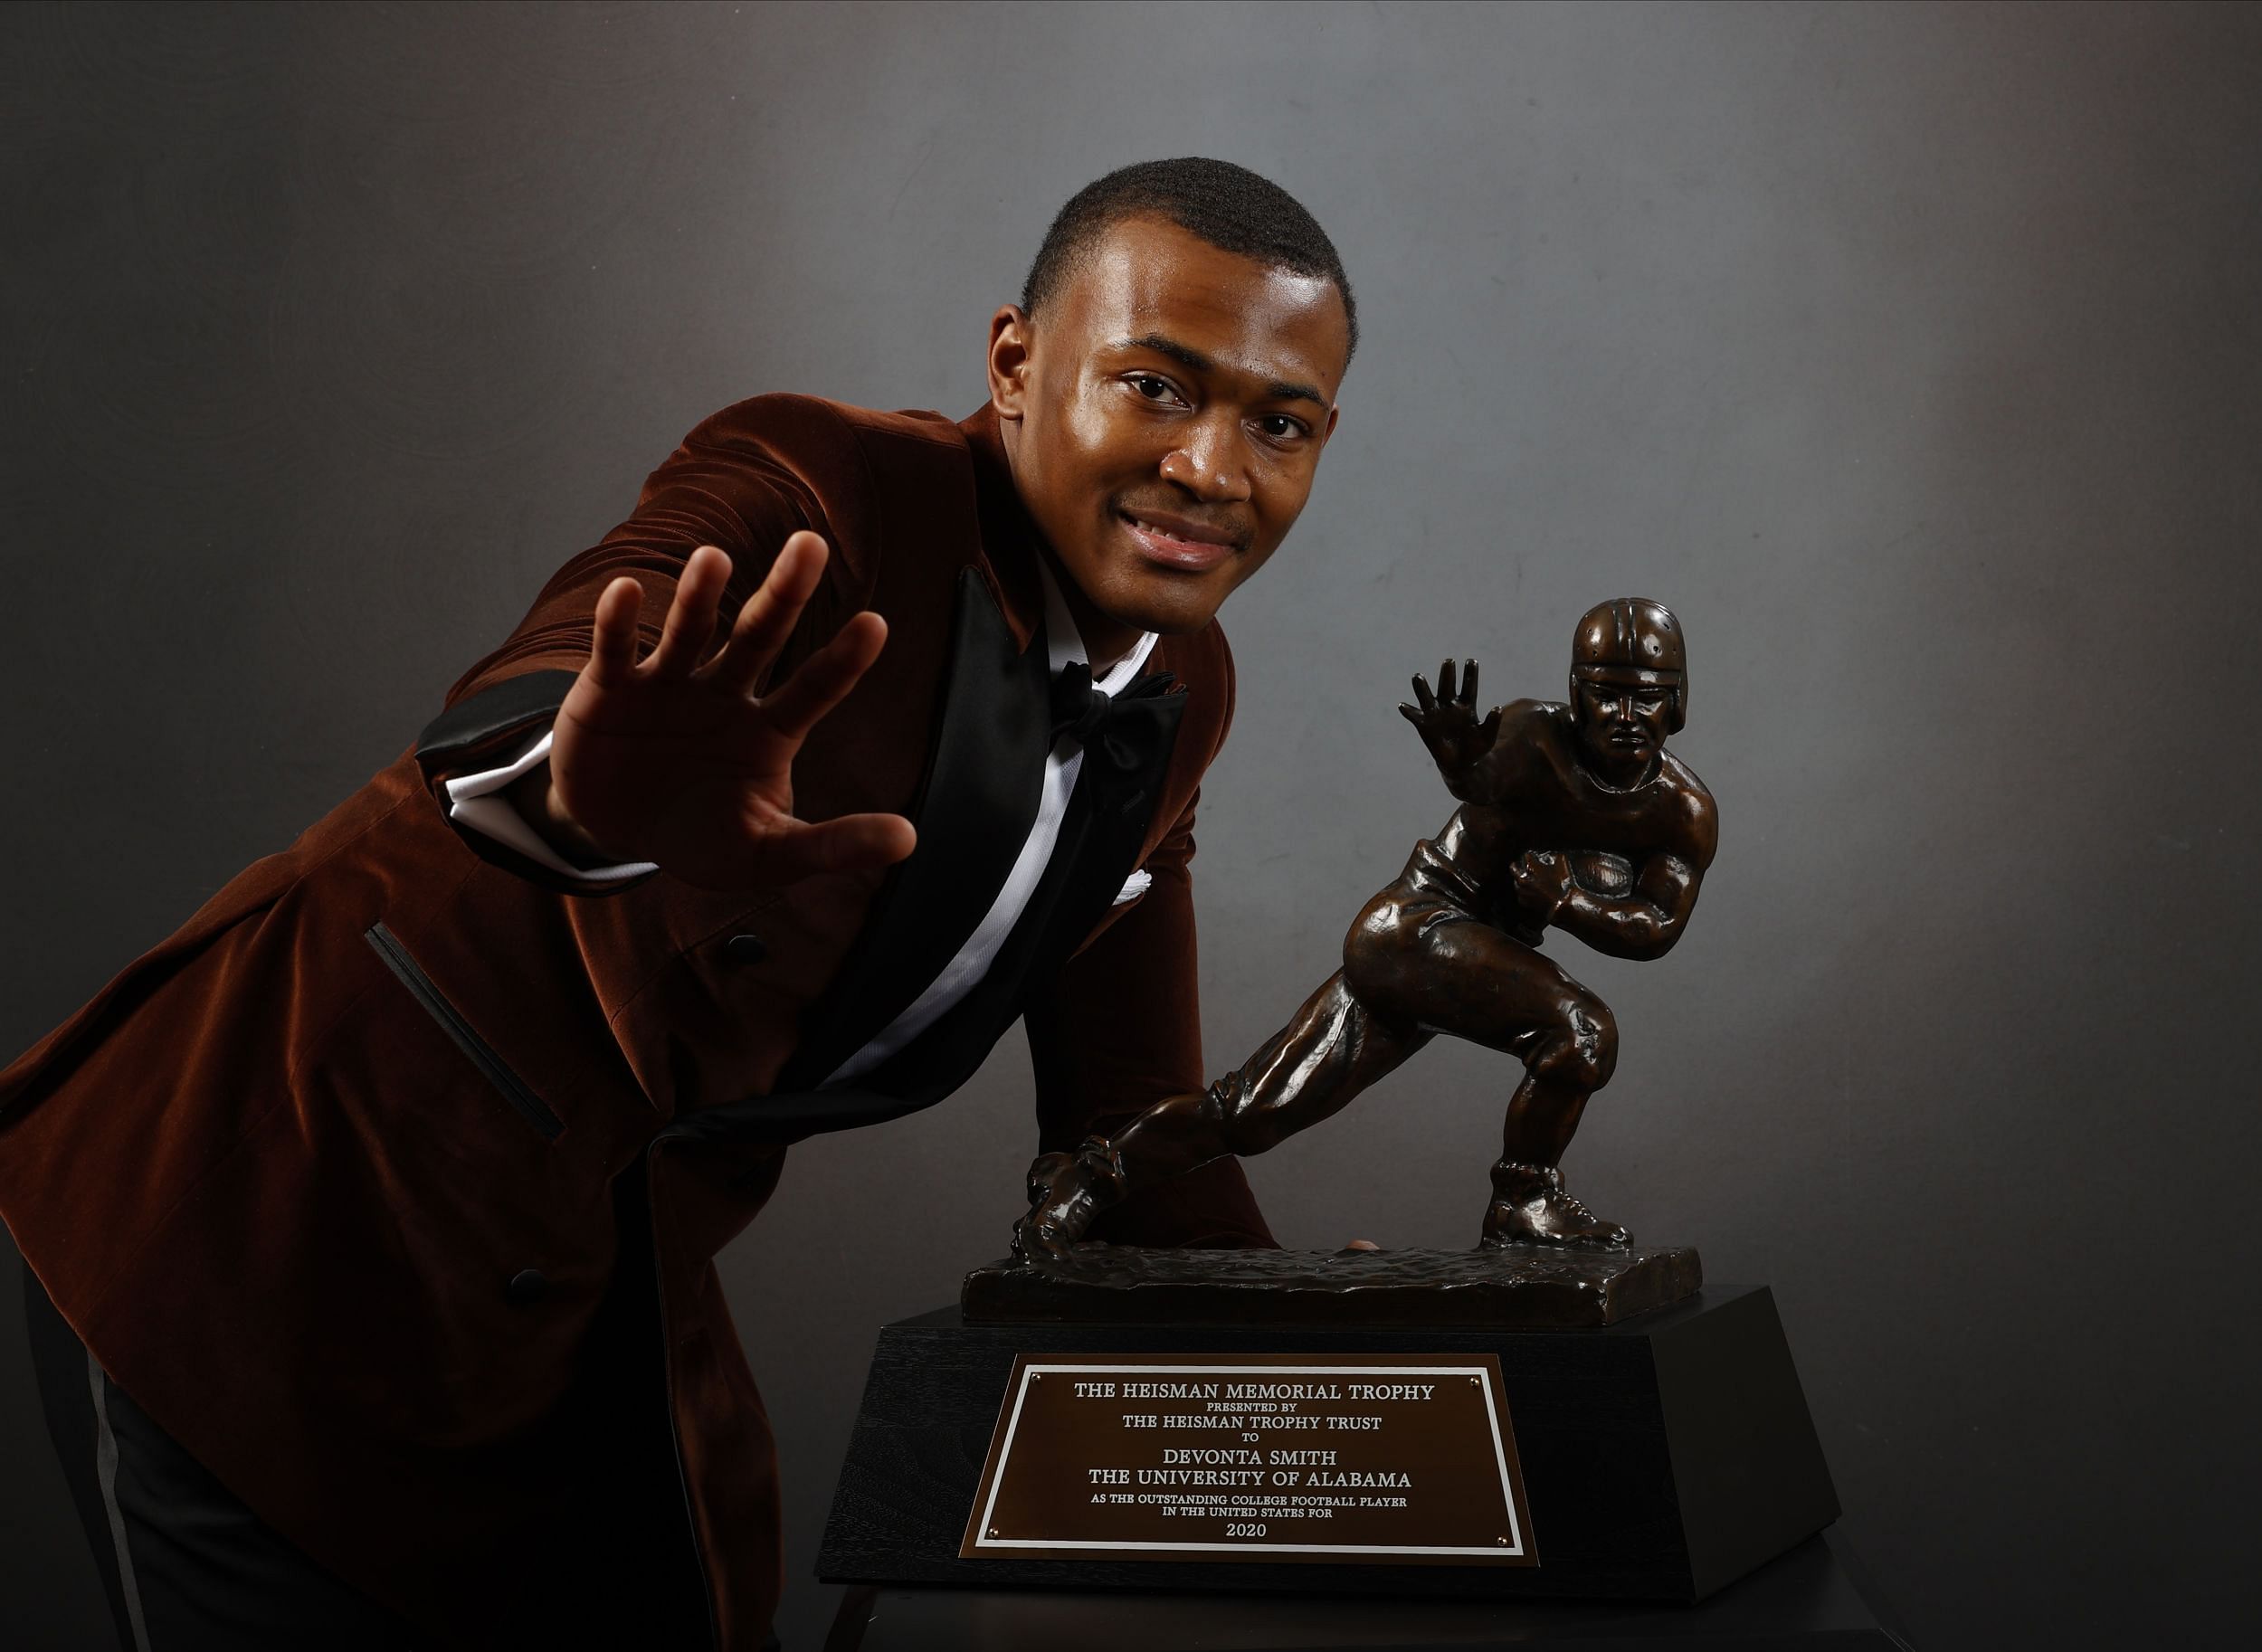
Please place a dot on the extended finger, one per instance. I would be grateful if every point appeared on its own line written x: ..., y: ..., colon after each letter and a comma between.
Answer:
x: 852, y: 843
x: 689, y: 626
x: 825, y: 677
x: 613, y: 641
x: 1421, y: 693
x: 1409, y: 714
x: 1469, y: 685
x: 769, y: 615
x: 1445, y: 683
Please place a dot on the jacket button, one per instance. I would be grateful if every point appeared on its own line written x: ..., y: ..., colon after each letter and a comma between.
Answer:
x: 746, y: 949
x: 526, y: 1287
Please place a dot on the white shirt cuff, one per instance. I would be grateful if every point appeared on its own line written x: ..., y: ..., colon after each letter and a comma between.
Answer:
x: 477, y: 801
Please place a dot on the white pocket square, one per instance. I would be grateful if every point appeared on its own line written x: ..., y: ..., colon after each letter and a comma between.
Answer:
x: 1132, y: 888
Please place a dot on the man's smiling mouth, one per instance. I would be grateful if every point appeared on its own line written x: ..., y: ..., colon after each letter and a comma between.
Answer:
x: 1178, y: 542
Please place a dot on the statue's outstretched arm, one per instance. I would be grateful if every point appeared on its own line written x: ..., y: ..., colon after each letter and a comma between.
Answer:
x: 1448, y: 724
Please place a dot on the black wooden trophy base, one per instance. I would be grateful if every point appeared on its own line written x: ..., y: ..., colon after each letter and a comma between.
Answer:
x: 1664, y: 1455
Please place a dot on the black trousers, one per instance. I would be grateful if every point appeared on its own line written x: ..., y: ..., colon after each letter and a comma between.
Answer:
x: 185, y: 1564
x: 187, y: 1567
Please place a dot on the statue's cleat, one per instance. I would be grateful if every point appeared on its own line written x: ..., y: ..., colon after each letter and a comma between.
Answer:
x: 1066, y: 1191
x: 1036, y: 1237
x: 1036, y: 1242
x: 1530, y: 1207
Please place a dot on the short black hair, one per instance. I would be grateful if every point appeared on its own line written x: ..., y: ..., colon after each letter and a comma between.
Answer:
x: 1231, y: 207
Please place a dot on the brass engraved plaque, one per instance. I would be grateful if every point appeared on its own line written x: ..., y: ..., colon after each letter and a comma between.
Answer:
x: 1376, y: 1459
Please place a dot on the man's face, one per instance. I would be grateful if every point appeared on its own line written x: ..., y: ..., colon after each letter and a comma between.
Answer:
x: 1164, y: 413
x: 1621, y: 724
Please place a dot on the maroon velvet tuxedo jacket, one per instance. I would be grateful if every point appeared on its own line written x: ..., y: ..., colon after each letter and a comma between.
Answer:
x: 327, y: 1180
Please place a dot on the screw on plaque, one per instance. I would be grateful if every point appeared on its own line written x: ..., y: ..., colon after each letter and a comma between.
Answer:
x: 993, y: 1533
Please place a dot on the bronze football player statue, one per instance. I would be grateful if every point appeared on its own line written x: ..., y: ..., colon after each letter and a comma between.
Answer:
x: 1573, y: 817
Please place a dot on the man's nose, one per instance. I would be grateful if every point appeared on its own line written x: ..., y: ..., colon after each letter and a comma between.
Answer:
x: 1211, y: 463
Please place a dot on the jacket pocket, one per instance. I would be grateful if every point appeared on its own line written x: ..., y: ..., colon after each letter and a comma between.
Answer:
x: 530, y: 1106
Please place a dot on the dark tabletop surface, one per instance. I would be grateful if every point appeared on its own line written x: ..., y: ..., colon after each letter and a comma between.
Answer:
x: 1807, y: 1599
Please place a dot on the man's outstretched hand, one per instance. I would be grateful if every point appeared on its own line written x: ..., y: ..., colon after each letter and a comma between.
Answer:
x: 674, y: 759
x: 1447, y: 720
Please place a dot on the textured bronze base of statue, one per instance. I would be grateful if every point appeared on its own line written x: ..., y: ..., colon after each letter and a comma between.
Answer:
x: 1573, y: 817
x: 1520, y: 1287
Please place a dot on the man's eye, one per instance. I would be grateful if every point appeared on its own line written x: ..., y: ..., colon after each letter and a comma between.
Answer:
x: 1151, y: 387
x: 1280, y: 427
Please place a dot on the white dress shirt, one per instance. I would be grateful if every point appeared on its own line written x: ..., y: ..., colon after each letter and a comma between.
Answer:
x: 477, y: 801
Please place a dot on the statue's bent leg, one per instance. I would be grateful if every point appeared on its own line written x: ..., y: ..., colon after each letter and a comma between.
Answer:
x: 1571, y: 1057
x: 1332, y: 1049
x: 1443, y: 970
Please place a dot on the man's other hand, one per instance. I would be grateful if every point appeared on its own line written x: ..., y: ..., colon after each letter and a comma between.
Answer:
x: 674, y: 758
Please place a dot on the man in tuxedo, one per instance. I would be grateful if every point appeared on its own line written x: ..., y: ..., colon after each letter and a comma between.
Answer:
x: 371, y: 1216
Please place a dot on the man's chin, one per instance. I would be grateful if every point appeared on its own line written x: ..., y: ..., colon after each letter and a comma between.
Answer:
x: 1168, y: 612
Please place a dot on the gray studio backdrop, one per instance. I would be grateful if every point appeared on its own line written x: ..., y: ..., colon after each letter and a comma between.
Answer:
x: 1910, y: 353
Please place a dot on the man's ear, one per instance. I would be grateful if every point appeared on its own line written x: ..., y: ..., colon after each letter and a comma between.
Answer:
x: 1333, y: 414
x: 1009, y: 339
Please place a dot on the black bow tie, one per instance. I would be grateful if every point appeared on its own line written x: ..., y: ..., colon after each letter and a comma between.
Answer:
x: 1100, y: 722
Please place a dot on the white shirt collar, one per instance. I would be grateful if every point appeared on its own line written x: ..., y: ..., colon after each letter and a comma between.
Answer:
x: 1065, y: 644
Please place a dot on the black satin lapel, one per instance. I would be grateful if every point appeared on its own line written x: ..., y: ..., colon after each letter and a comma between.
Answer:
x: 1098, y: 848
x: 984, y: 782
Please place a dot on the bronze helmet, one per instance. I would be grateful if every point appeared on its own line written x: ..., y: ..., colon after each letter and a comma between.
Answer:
x: 1632, y: 640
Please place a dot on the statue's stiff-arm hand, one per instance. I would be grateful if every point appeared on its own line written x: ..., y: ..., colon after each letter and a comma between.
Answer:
x: 675, y: 759
x: 1447, y: 723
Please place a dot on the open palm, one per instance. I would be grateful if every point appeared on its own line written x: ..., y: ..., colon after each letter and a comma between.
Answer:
x: 674, y: 758
x: 1447, y: 721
